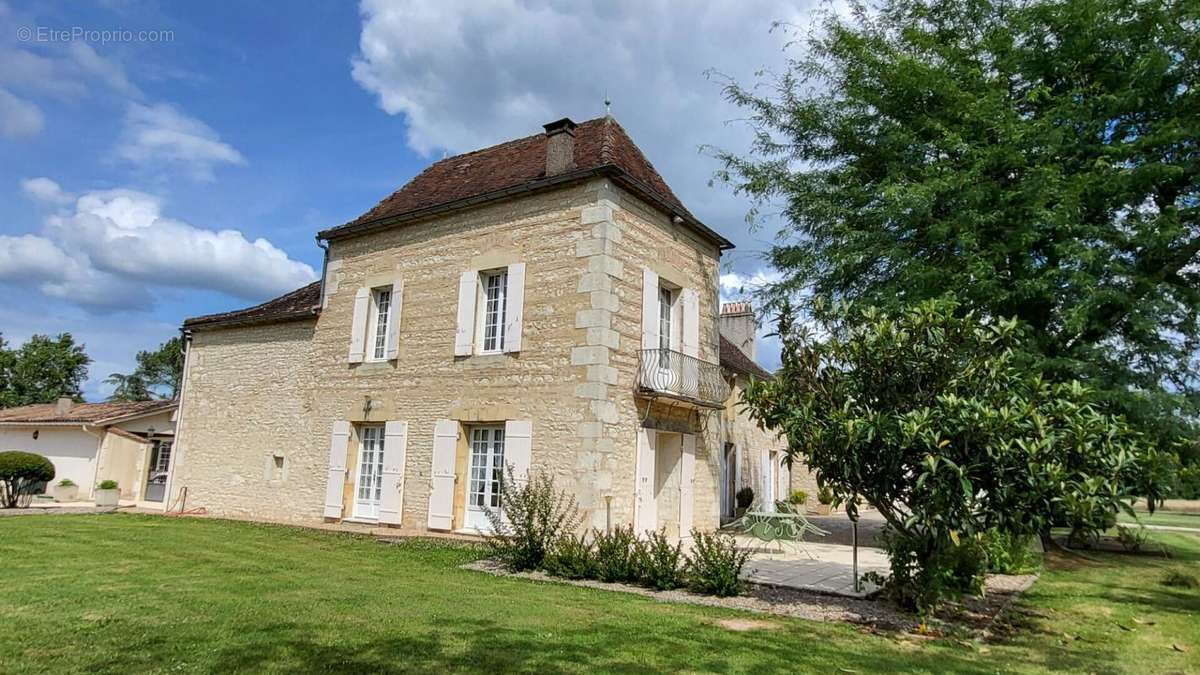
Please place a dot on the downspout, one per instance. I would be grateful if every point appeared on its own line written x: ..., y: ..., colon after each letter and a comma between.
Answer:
x: 324, y: 245
x: 177, y: 444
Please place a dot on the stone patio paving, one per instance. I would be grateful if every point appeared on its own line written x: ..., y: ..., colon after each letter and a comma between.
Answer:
x: 828, y: 570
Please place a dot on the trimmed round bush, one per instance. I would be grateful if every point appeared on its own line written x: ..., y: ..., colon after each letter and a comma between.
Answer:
x: 20, y: 474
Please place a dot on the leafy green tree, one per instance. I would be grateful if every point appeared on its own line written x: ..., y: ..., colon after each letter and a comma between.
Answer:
x: 928, y: 415
x: 158, y: 373
x: 43, y: 370
x: 127, y: 387
x: 1036, y: 158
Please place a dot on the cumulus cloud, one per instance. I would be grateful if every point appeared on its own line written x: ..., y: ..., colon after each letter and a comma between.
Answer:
x: 115, y: 245
x: 162, y: 134
x: 18, y: 118
x: 45, y: 190
x: 466, y: 74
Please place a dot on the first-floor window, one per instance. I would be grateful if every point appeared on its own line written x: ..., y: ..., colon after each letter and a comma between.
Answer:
x: 381, y: 304
x: 495, y: 301
x: 487, y: 466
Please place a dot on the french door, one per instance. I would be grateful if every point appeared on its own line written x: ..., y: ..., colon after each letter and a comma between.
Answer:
x: 487, y: 470
x: 368, y: 487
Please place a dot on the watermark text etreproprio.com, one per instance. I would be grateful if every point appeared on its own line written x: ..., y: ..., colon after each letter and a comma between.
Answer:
x: 93, y: 35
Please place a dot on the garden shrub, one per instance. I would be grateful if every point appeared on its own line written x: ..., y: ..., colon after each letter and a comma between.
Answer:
x: 617, y: 555
x: 21, y: 473
x: 532, y: 516
x: 660, y: 563
x: 798, y: 497
x: 108, y: 485
x: 1009, y: 553
x: 714, y: 565
x: 825, y: 495
x: 571, y: 557
x: 1132, y: 538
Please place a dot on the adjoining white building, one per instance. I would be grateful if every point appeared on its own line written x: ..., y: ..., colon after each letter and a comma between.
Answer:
x: 129, y: 442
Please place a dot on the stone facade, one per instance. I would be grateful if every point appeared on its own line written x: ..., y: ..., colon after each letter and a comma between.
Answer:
x: 260, y: 401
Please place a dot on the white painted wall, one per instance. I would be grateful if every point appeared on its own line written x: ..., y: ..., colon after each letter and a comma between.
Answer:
x: 71, y: 450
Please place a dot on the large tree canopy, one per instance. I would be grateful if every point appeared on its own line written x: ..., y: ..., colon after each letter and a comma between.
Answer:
x: 158, y: 373
x: 42, y: 370
x: 1036, y: 159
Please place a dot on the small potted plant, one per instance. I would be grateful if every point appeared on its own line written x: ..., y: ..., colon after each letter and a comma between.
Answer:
x: 742, y: 501
x: 107, y: 493
x: 824, y: 501
x: 798, y: 498
x: 65, y: 491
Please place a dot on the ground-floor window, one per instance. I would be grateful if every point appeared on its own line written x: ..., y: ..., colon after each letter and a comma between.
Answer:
x: 487, y: 470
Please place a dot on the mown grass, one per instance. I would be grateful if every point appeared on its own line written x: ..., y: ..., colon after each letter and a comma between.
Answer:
x: 1173, y: 519
x: 124, y: 593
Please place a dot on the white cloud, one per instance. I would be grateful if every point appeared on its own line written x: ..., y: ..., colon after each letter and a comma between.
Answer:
x: 735, y: 285
x: 45, y: 190
x: 466, y: 74
x: 164, y: 135
x: 115, y: 246
x: 18, y: 118
x: 109, y: 72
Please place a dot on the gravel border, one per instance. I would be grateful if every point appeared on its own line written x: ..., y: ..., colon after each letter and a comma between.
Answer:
x: 975, y: 614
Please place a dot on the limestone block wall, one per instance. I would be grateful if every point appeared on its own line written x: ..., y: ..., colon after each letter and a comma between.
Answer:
x: 249, y: 395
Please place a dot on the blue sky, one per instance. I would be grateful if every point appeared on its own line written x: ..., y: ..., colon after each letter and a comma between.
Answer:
x: 144, y: 171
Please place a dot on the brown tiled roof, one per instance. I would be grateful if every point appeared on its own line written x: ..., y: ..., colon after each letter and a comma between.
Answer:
x: 301, y: 303
x: 600, y: 145
x: 81, y: 413
x: 733, y: 358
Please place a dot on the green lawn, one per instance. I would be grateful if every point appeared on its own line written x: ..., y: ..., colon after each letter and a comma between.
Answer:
x: 1174, y: 519
x: 123, y: 593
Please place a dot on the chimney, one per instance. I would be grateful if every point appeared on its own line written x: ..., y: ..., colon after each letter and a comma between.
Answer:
x: 739, y: 326
x: 560, y: 146
x: 63, y: 405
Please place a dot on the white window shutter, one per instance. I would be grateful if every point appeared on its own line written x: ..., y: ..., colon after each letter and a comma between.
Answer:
x: 441, y: 488
x: 464, y: 335
x: 687, y: 475
x: 514, y: 307
x: 393, y: 327
x: 395, y: 449
x: 518, y: 446
x: 737, y: 468
x: 649, y: 309
x: 691, y: 322
x: 645, y: 506
x: 785, y: 480
x: 339, y: 441
x: 358, y: 329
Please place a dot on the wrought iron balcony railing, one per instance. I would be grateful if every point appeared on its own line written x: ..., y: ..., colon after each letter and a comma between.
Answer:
x: 665, y: 372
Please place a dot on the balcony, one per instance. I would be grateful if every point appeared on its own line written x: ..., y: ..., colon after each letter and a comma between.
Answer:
x: 671, y: 374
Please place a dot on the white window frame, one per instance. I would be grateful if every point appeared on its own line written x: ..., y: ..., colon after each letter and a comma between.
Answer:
x: 499, y: 320
x: 369, y: 434
x: 485, y: 472
x: 377, y: 343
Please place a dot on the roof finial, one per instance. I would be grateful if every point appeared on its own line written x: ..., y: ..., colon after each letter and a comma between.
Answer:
x: 607, y: 105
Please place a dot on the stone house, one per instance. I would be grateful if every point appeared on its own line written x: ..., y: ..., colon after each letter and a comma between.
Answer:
x: 547, y: 303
